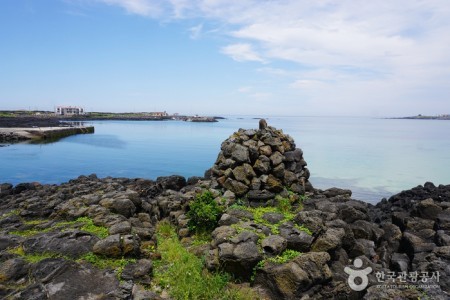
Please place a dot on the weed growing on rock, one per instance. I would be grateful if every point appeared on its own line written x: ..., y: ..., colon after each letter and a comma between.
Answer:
x: 258, y: 266
x: 89, y: 226
x: 204, y: 213
x: 284, y: 204
x: 103, y: 262
x: 284, y: 207
x: 239, y: 229
x: 33, y: 257
x: 286, y: 256
x: 303, y: 228
x: 201, y: 238
x: 283, y: 258
x: 84, y: 223
x: 35, y: 222
x: 29, y: 232
x: 10, y: 213
x: 17, y: 251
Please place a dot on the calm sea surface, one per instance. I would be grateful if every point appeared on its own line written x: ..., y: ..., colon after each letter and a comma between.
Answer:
x: 375, y: 158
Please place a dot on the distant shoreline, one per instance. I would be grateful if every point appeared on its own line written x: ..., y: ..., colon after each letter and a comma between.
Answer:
x: 421, y: 117
x: 9, y: 119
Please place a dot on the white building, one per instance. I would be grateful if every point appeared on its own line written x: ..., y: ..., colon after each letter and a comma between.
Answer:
x: 158, y: 114
x: 69, y: 110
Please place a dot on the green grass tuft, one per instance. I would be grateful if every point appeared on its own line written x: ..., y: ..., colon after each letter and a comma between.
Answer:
x: 86, y: 224
x: 33, y: 257
x: 284, y: 206
x: 181, y: 273
x: 286, y: 256
x: 102, y: 262
x: 89, y: 226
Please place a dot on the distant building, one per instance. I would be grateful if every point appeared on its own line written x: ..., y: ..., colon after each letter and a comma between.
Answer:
x: 69, y: 110
x: 159, y: 114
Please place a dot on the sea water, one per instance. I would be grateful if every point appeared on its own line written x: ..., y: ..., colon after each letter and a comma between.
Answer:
x: 375, y: 158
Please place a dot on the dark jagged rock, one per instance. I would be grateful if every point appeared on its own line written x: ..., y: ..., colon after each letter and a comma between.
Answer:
x: 274, y: 244
x: 174, y: 182
x: 140, y: 271
x: 296, y: 239
x: 23, y: 187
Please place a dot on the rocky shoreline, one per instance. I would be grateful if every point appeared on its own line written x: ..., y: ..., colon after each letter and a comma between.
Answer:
x: 292, y: 245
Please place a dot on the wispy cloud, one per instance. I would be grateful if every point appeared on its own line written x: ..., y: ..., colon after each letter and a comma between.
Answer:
x: 306, y: 84
x: 245, y: 89
x: 242, y: 52
x: 147, y: 8
x: 196, y: 31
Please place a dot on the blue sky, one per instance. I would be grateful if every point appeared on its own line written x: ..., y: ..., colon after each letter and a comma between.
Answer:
x: 251, y: 57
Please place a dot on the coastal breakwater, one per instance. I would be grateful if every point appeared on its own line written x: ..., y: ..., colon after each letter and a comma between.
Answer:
x: 11, y: 135
x: 293, y: 245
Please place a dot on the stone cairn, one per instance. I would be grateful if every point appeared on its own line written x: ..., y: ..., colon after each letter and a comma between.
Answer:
x: 259, y: 164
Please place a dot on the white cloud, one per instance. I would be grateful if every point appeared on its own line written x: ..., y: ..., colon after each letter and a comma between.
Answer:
x: 306, y: 84
x: 356, y: 51
x: 261, y: 96
x: 140, y: 7
x: 245, y: 89
x: 196, y: 31
x: 242, y: 52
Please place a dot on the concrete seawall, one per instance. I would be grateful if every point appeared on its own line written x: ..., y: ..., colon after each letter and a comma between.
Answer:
x: 9, y: 135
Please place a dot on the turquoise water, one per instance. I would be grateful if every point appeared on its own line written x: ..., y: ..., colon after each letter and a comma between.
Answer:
x: 374, y: 158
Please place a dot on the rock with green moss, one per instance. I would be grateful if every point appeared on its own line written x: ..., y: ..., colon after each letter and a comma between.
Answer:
x: 72, y: 243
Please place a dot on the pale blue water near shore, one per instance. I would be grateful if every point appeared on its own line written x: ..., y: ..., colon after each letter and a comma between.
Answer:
x: 375, y: 158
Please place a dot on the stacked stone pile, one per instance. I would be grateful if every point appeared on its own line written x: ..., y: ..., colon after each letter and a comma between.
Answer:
x: 258, y: 164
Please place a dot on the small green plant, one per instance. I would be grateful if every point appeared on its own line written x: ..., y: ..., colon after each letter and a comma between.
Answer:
x: 35, y: 222
x: 86, y: 224
x: 89, y: 226
x: 303, y: 228
x: 303, y: 197
x: 201, y: 238
x: 33, y: 257
x: 258, y: 266
x: 286, y: 256
x: 17, y: 251
x: 103, y: 262
x: 284, y: 204
x: 237, y: 206
x: 204, y: 213
x: 165, y: 230
x: 25, y: 233
x: 10, y: 213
